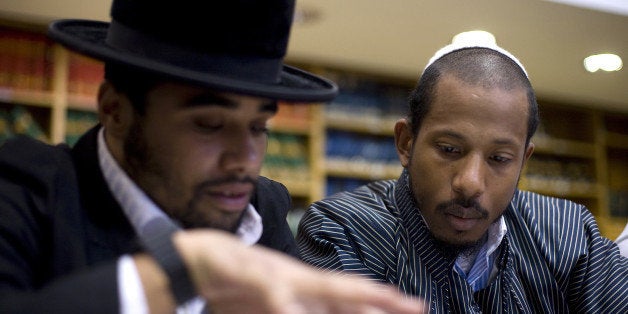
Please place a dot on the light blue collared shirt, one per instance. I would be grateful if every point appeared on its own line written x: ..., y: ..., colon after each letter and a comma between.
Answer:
x: 480, y: 268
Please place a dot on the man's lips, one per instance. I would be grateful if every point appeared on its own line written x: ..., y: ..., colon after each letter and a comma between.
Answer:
x: 232, y: 188
x: 231, y: 196
x: 464, y: 212
x: 463, y: 218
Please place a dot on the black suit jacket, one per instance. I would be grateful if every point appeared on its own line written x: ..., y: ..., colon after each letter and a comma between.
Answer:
x: 61, y: 230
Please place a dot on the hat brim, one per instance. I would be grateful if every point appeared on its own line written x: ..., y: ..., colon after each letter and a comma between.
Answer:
x: 88, y: 37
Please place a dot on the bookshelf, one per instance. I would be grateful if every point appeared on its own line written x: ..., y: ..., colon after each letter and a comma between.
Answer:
x: 42, y: 93
x: 294, y: 149
x: 359, y: 126
x: 582, y: 154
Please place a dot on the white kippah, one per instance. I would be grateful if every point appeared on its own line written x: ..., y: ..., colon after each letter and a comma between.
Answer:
x: 465, y: 45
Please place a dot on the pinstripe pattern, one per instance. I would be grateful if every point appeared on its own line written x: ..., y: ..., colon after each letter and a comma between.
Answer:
x: 553, y: 258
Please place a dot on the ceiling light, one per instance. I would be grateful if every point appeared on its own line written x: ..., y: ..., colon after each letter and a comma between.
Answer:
x: 474, y: 37
x: 305, y: 15
x: 605, y: 61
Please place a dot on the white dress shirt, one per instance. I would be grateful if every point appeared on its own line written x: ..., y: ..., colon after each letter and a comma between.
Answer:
x: 140, y: 209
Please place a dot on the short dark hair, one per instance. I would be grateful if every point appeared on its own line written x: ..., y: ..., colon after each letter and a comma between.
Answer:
x: 132, y: 82
x: 481, y: 66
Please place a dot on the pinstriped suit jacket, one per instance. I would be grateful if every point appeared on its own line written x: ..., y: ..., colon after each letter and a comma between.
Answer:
x: 553, y: 258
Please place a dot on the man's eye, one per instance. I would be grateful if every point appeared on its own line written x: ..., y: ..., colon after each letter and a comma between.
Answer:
x: 447, y: 149
x: 206, y: 126
x: 500, y: 159
x: 259, y: 129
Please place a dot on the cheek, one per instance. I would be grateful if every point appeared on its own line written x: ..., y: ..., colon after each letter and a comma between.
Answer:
x: 429, y: 181
x: 261, y: 145
x: 502, y: 188
x: 200, y: 157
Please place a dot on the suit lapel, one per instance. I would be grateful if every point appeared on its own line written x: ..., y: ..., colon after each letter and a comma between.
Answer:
x: 108, y: 230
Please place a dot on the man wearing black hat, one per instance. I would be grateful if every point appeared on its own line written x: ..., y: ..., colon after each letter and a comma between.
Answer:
x: 183, y: 109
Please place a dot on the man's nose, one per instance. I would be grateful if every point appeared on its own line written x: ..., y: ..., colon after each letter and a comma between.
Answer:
x: 241, y: 151
x: 469, y: 179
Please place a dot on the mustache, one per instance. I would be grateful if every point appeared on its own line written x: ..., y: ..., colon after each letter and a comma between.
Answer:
x: 226, y: 180
x: 453, y: 204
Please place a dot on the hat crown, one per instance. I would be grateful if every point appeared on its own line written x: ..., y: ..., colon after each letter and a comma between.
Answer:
x: 242, y: 27
x: 233, y: 46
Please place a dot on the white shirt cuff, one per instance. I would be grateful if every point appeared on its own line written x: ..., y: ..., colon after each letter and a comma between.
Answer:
x: 131, y: 292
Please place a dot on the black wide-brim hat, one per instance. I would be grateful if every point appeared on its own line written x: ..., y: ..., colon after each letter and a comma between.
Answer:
x: 233, y: 46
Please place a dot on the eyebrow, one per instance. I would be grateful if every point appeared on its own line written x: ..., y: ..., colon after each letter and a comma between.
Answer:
x: 456, y: 135
x: 212, y: 99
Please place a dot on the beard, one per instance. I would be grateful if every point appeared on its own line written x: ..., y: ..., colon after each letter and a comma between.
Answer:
x: 446, y: 247
x: 136, y: 151
x: 140, y: 161
x: 451, y: 251
x: 193, y: 217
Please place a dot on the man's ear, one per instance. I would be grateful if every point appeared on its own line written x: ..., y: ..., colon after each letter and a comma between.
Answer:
x: 111, y: 110
x: 528, y: 153
x: 403, y: 141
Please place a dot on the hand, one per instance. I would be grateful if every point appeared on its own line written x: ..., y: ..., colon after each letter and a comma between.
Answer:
x: 235, y: 278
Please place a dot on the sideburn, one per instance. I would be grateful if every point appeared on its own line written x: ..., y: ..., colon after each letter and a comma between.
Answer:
x: 135, y: 146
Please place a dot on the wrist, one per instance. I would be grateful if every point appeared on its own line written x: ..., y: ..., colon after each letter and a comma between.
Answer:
x: 157, y: 239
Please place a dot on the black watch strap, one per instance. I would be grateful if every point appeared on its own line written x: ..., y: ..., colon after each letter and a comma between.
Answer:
x: 157, y: 239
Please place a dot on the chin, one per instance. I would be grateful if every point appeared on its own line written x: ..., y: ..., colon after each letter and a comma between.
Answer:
x: 453, y: 245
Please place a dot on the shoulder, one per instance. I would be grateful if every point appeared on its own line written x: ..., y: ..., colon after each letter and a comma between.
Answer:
x: 265, y: 184
x: 271, y: 198
x: 268, y: 190
x: 35, y: 179
x: 26, y: 158
x: 370, y: 204
x: 24, y: 147
x: 553, y: 223
x: 534, y: 206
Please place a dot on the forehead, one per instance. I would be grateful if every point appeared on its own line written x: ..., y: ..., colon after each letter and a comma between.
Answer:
x: 459, y: 103
x: 189, y: 96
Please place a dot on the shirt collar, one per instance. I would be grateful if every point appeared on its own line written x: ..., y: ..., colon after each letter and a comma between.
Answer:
x: 496, y: 232
x: 140, y: 209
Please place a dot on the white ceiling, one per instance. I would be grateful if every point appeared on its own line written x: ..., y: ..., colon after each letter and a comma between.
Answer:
x: 610, y: 6
x: 397, y: 37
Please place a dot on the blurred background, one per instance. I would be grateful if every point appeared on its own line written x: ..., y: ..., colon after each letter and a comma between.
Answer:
x: 375, y: 50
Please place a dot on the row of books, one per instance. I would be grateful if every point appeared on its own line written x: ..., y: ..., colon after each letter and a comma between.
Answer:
x: 28, y: 121
x: 360, y: 147
x: 77, y: 123
x: 84, y: 75
x: 286, y: 158
x: 364, y: 99
x: 618, y: 202
x: 292, y: 116
x: 26, y: 63
x: 19, y: 120
x: 566, y: 169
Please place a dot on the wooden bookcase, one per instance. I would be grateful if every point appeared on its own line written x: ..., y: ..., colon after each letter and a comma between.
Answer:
x: 45, y: 91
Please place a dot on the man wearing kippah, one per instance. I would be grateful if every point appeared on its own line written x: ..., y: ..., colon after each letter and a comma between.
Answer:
x: 454, y: 229
x: 160, y: 207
